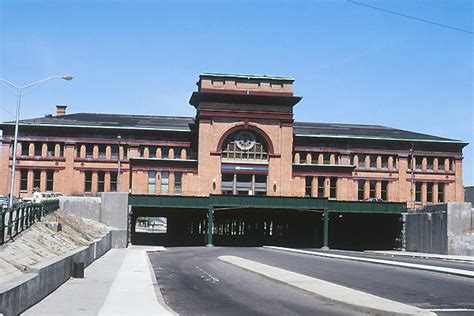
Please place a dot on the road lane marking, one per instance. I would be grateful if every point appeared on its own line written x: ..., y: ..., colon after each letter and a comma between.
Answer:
x: 459, y: 272
x: 210, y: 277
x: 338, y: 294
x: 451, y: 309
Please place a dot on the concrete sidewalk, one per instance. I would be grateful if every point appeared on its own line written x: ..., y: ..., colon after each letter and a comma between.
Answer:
x: 119, y: 283
x: 423, y: 255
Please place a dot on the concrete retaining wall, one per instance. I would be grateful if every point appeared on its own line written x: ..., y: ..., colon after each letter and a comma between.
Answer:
x: 110, y: 209
x: 443, y: 229
x: 23, y: 292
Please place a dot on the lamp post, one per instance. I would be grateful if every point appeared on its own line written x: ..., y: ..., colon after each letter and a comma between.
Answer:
x: 119, y: 138
x: 20, y: 91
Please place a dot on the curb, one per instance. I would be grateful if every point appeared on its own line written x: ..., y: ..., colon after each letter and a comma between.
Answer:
x: 458, y: 272
x: 337, y: 294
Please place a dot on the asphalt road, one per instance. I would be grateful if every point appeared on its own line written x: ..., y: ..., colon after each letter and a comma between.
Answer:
x: 193, y: 281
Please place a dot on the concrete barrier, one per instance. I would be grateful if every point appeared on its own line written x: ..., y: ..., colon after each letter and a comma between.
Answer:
x: 21, y: 293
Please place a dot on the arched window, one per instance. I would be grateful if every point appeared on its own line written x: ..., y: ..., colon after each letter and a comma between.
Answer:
x: 244, y: 145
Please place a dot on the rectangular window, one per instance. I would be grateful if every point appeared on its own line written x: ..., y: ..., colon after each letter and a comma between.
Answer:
x: 260, y: 184
x: 332, y: 188
x: 385, y: 162
x: 125, y: 151
x: 429, y: 163
x: 418, y: 192
x: 326, y: 158
x: 418, y: 163
x: 441, y: 198
x: 25, y: 149
x: 360, y: 190
x: 164, y: 182
x: 50, y: 149
x: 384, y: 195
x: 321, y: 191
x: 165, y: 152
x: 114, y: 152
x: 113, y: 181
x: 336, y: 159
x: 178, y: 185
x: 36, y: 179
x: 100, y: 181
x: 152, y: 181
x: 227, y: 185
x: 372, y: 189
x: 152, y: 152
x: 23, y: 180
x: 61, y: 150
x: 361, y: 161
x: 102, y: 151
x: 441, y: 164
x: 373, y: 161
x: 308, y: 186
x: 38, y: 149
x: 87, y: 181
x: 244, y: 184
x: 89, y: 151
x: 303, y: 158
x: 429, y: 192
x: 49, y: 180
x: 78, y: 150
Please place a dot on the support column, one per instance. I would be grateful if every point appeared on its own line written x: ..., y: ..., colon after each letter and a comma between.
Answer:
x: 326, y: 228
x: 210, y: 225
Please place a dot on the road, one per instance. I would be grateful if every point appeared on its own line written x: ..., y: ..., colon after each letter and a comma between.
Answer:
x: 194, y: 281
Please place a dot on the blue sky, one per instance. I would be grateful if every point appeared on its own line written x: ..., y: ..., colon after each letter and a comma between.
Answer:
x: 352, y: 64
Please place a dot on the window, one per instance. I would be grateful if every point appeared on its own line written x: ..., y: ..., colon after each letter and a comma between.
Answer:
x: 429, y: 163
x: 336, y: 159
x: 78, y: 150
x: 23, y: 180
x: 25, y: 149
x: 152, y: 181
x: 244, y: 184
x: 303, y: 158
x: 410, y: 162
x: 114, y: 152
x: 100, y: 181
x: 165, y: 152
x: 441, y: 164
x: 384, y: 195
x: 321, y: 191
x: 332, y: 188
x: 326, y: 158
x: 50, y: 149
x: 361, y: 161
x: 418, y: 163
x: 152, y: 152
x: 441, y: 197
x: 308, y: 186
x: 141, y: 151
x: 418, y: 192
x: 246, y: 146
x: 360, y: 190
x: 38, y: 149
x: 113, y: 181
x: 49, y: 180
x: 89, y: 151
x: 61, y: 150
x: 372, y: 190
x: 373, y: 161
x: 36, y: 178
x: 178, y: 178
x: 102, y: 151
x: 87, y: 181
x: 227, y: 185
x: 125, y: 152
x: 385, y: 162
x: 164, y: 182
x: 260, y: 184
x: 429, y: 192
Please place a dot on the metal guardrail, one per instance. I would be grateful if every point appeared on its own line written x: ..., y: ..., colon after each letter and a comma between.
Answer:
x: 21, y: 216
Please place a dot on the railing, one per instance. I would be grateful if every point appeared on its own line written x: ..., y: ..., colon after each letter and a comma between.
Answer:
x: 21, y: 216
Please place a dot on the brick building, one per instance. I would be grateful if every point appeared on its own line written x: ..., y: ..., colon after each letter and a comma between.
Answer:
x: 243, y: 141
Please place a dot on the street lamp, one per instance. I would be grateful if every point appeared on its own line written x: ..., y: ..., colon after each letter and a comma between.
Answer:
x: 20, y: 91
x: 119, y: 138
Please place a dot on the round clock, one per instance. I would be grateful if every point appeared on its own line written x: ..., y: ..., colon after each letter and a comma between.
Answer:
x: 245, y: 140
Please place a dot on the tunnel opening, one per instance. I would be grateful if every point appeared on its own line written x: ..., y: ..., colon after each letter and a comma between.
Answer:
x: 252, y: 227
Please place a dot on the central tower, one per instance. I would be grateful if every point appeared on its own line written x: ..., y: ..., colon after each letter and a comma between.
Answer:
x: 245, y: 130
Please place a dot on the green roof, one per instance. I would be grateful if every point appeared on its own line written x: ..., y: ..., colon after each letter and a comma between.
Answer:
x: 246, y: 76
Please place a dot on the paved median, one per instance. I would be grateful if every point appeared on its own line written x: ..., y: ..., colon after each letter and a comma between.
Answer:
x: 356, y: 300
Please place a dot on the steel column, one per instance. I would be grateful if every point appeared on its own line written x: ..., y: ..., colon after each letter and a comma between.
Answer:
x: 326, y: 228
x: 210, y: 225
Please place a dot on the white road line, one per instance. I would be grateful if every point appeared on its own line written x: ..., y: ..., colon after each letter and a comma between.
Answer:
x: 460, y: 272
x: 451, y: 310
x: 211, y: 278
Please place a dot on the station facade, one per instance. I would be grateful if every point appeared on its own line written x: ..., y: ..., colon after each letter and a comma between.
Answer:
x: 243, y: 141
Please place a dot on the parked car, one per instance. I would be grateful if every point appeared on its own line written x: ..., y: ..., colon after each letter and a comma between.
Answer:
x: 373, y: 200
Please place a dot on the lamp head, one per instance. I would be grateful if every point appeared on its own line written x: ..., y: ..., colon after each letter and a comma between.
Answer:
x: 68, y: 78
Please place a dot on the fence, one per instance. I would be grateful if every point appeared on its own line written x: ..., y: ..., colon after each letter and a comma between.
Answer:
x: 21, y: 216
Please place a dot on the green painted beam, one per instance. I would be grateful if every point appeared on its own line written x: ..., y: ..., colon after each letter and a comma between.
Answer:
x: 269, y: 202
